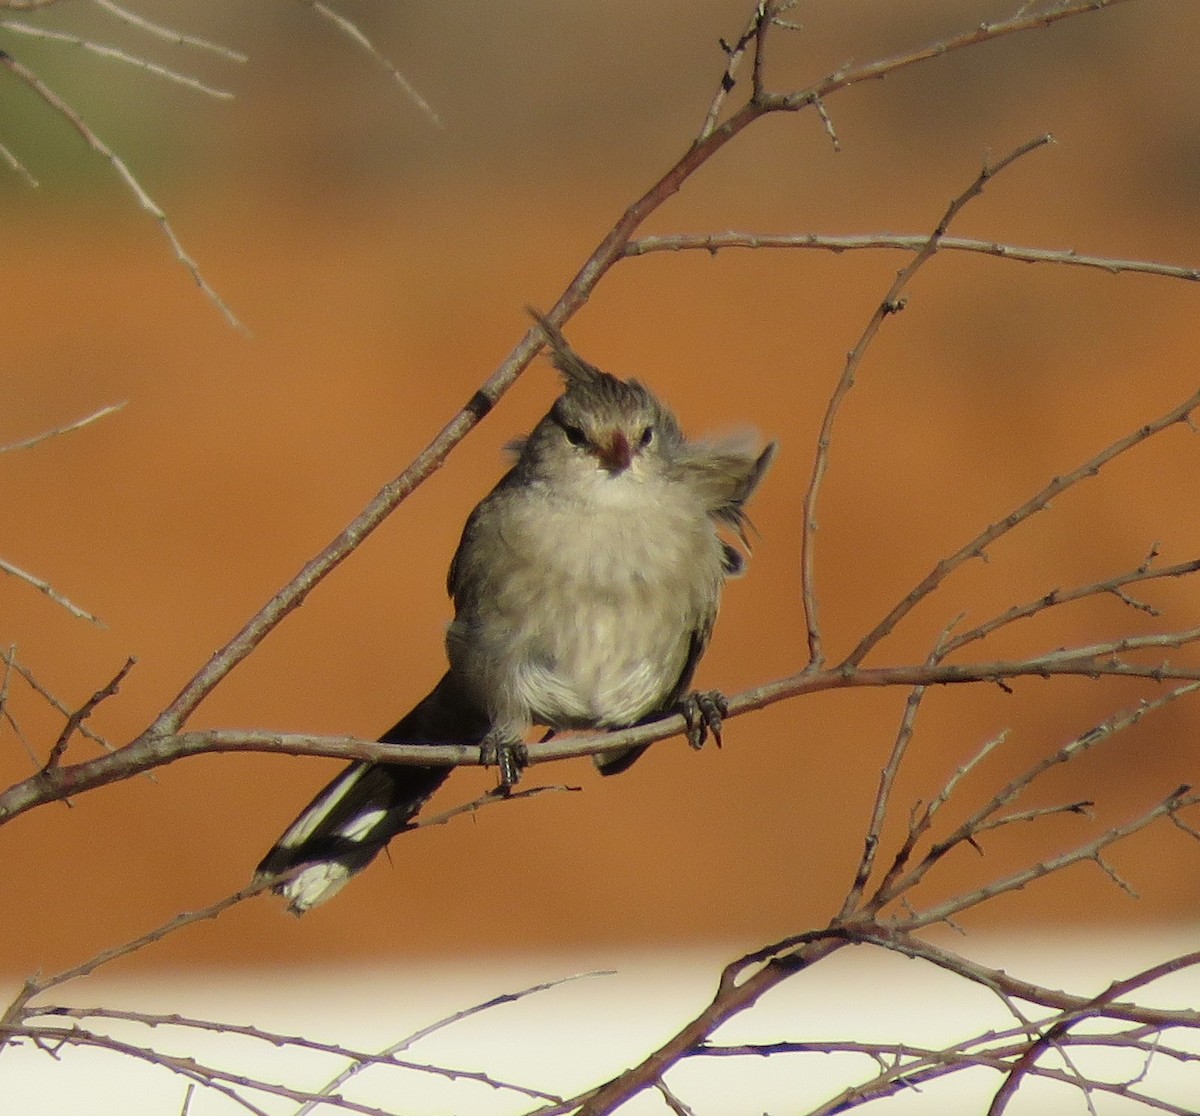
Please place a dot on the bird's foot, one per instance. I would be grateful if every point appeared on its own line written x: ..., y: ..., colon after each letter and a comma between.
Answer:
x: 511, y: 757
x: 705, y: 713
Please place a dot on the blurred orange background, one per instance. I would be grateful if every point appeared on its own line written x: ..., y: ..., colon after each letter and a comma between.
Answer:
x: 382, y: 265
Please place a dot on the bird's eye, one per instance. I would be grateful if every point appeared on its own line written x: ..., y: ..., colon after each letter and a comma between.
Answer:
x: 647, y: 437
x: 574, y: 435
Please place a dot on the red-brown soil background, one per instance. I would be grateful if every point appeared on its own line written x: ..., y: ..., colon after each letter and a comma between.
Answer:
x: 382, y: 266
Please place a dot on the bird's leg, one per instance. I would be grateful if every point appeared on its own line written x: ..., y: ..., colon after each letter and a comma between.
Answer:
x: 704, y: 712
x: 510, y: 756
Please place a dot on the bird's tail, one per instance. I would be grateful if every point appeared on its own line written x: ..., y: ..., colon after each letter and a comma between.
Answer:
x: 343, y: 829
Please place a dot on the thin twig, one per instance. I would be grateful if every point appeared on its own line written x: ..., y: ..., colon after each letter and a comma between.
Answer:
x: 167, y: 33
x: 10, y: 659
x: 734, y: 53
x: 213, y: 1077
x: 1057, y: 597
x: 123, y: 172
x: 117, y: 55
x: 78, y: 424
x: 17, y: 166
x: 923, y: 820
x: 76, y: 719
x: 488, y: 798
x: 672, y: 1101
x: 984, y: 32
x: 48, y: 590
x: 36, y: 985
x: 389, y: 1052
x: 887, y: 778
x: 1081, y: 807
x: 353, y: 32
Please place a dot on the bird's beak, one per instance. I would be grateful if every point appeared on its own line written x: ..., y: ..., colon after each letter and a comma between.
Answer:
x: 616, y: 455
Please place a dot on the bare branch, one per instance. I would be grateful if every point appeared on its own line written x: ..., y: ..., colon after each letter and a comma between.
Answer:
x: 1015, y: 1053
x: 1056, y: 597
x: 36, y: 985
x: 153, y: 750
x: 46, y: 588
x: 17, y: 166
x: 78, y: 424
x: 672, y: 1101
x: 116, y: 54
x: 166, y: 33
x: 231, y: 1085
x: 495, y: 795
x: 360, y: 1060
x: 985, y: 32
x: 354, y: 33
x: 1067, y: 257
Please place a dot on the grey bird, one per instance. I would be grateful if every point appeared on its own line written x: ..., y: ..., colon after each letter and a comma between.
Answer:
x: 585, y: 587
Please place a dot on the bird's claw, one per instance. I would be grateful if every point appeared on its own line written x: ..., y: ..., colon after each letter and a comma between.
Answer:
x: 510, y: 757
x: 705, y: 713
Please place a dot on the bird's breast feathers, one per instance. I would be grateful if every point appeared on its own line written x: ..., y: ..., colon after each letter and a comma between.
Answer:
x: 597, y: 600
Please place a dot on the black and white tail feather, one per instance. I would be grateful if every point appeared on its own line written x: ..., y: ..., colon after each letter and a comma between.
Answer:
x: 349, y: 822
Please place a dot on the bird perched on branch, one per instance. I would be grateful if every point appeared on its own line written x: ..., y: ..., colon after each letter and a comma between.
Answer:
x: 585, y: 587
